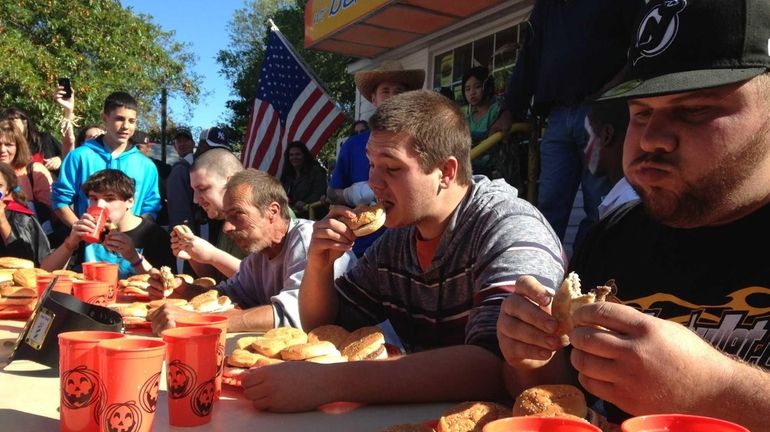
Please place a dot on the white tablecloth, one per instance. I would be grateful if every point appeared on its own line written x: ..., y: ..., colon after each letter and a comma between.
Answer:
x: 29, y: 401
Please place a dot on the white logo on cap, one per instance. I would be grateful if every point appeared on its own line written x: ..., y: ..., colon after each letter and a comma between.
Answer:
x: 221, y: 135
x: 658, y: 28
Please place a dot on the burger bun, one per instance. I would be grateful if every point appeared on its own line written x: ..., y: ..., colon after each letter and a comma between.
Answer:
x: 551, y: 400
x: 367, y: 219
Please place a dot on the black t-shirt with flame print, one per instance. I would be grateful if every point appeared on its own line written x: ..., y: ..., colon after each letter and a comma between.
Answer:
x: 709, y: 279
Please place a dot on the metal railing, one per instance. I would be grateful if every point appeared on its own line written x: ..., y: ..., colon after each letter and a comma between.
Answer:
x: 533, y: 153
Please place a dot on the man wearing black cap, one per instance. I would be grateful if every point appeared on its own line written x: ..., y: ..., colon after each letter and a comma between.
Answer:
x: 210, y: 138
x: 692, y: 334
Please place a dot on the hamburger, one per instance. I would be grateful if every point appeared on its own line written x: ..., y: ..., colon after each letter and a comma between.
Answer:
x: 27, y: 277
x: 551, y: 400
x: 471, y: 416
x: 204, y: 282
x: 17, y: 295
x: 569, y: 298
x: 15, y: 263
x: 367, y: 219
x: 134, y: 313
x: 366, y: 343
x: 557, y: 400
x: 167, y: 278
x: 184, y: 232
x: 136, y: 285
x: 309, y: 350
x: 6, y: 279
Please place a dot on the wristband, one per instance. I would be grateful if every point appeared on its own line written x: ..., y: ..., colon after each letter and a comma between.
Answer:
x: 138, y: 261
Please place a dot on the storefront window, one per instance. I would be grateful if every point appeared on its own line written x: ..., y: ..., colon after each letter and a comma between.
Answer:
x: 497, y: 52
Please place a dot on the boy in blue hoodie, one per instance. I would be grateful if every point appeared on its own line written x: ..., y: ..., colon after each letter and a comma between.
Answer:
x: 111, y: 150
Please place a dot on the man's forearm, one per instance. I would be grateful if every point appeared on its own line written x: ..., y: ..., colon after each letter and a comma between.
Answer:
x: 60, y: 256
x: 258, y: 318
x: 67, y: 216
x: 335, y: 196
x: 225, y: 263
x: 318, y: 302
x: 743, y: 400
x: 464, y: 372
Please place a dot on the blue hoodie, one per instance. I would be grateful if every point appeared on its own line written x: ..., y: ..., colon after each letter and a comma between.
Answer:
x: 93, y: 156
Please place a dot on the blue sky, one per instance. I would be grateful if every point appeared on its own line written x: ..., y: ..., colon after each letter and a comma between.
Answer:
x: 203, y: 25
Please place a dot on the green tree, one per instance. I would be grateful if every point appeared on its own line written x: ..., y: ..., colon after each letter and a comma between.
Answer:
x: 242, y: 61
x: 102, y: 46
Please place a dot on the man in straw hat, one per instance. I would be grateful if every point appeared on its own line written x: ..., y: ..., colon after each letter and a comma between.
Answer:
x: 348, y: 182
x: 691, y: 335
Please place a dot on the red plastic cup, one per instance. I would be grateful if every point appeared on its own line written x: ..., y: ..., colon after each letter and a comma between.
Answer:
x: 217, y: 321
x: 130, y: 369
x: 94, y: 292
x: 539, y: 424
x: 63, y: 284
x: 679, y: 423
x: 100, y: 214
x: 87, y: 266
x: 191, y: 371
x: 80, y: 386
x: 106, y: 272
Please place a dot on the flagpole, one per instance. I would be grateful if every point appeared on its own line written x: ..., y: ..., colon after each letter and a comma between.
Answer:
x: 304, y: 65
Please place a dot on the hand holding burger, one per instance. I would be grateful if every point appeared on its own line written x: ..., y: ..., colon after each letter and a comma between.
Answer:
x: 569, y: 298
x: 160, y: 286
x: 367, y: 219
x: 181, y: 233
x: 186, y: 245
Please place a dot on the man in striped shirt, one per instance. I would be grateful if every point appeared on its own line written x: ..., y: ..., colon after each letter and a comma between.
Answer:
x: 454, y: 246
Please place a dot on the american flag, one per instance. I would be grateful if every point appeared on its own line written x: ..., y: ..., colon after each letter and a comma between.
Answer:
x: 290, y: 106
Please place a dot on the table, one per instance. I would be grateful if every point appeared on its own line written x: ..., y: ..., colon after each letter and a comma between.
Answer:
x: 29, y: 401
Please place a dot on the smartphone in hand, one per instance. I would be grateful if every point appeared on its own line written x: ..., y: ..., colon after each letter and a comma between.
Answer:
x: 65, y: 82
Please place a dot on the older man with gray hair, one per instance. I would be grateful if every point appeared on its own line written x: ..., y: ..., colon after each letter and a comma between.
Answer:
x: 266, y: 285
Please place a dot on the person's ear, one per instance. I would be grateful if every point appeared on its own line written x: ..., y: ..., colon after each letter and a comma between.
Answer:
x: 607, y: 134
x: 273, y: 210
x: 448, y: 172
x: 129, y: 203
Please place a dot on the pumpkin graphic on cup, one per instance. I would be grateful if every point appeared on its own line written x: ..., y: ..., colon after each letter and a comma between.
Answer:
x: 181, y: 379
x: 80, y: 387
x: 203, y: 398
x: 148, y: 394
x: 123, y: 417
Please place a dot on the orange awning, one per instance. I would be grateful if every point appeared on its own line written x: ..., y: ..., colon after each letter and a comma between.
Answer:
x: 368, y: 28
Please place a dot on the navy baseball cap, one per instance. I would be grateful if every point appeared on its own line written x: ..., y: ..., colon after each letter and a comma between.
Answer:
x: 215, y: 138
x: 687, y: 45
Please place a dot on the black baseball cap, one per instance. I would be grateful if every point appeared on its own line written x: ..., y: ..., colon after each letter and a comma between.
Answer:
x: 686, y: 45
x: 215, y: 138
x: 140, y: 137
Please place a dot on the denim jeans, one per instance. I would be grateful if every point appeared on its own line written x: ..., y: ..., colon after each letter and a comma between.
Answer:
x: 562, y: 170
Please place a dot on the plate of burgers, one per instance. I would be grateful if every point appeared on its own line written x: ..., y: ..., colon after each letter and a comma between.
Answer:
x: 135, y: 315
x: 325, y: 344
